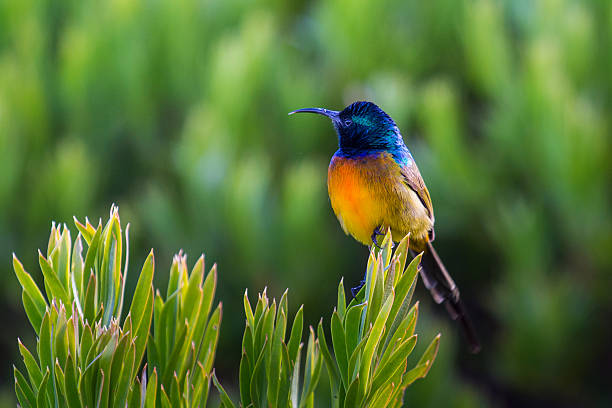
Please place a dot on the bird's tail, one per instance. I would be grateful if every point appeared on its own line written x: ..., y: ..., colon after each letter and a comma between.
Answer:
x: 444, y: 290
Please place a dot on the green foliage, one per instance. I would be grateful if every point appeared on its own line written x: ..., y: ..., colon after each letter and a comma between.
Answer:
x: 184, y: 341
x: 373, y: 336
x: 372, y: 339
x: 88, y: 355
x: 270, y: 367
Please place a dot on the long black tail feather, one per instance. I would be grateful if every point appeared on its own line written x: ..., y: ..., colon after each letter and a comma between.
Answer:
x: 444, y: 291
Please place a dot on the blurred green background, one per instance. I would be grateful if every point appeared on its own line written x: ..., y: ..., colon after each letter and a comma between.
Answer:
x: 176, y: 110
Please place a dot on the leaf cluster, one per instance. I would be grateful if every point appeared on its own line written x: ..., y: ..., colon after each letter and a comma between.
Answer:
x: 87, y: 354
x: 371, y: 340
x: 161, y: 354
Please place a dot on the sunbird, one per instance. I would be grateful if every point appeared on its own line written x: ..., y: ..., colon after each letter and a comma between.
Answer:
x: 374, y: 184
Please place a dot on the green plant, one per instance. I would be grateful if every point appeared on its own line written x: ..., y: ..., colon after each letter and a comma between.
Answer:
x: 372, y: 339
x: 161, y: 353
x: 87, y: 355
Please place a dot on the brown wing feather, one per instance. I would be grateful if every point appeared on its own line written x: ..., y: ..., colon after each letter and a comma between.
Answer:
x: 413, y: 179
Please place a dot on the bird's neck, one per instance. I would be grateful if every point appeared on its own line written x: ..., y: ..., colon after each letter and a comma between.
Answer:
x: 400, y: 153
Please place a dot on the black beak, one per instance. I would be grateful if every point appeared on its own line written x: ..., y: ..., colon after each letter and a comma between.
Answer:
x: 333, y: 115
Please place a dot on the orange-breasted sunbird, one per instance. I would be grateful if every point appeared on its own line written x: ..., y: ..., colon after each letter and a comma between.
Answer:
x: 374, y: 184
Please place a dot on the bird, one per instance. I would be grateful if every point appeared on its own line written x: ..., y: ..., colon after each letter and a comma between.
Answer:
x: 374, y: 184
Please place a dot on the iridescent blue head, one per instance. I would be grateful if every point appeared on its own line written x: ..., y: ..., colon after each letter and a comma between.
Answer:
x: 363, y: 128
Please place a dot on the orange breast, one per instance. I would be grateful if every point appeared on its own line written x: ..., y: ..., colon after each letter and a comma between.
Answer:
x: 354, y: 195
x: 369, y: 192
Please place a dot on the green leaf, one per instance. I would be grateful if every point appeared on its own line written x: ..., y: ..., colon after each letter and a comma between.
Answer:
x: 44, y: 344
x: 202, y: 391
x: 262, y: 305
x: 89, y: 306
x: 284, y: 388
x: 86, y: 345
x: 295, y: 378
x: 296, y: 334
x: 77, y: 270
x: 92, y: 252
x: 265, y: 329
x: 163, y: 396
x: 274, y: 364
x: 351, y: 326
x: 403, y: 296
x: 210, y: 285
x: 341, y: 300
x: 59, y: 377
x: 191, y: 299
x: 143, y: 291
x: 60, y: 340
x: 71, y: 384
x: 34, y: 372
x: 173, y: 359
x: 284, y: 306
x: 258, y: 380
x: 135, y: 395
x: 374, y: 339
x: 167, y: 328
x: 387, y: 248
x: 41, y: 398
x: 341, y: 348
x: 247, y: 344
x: 141, y: 333
x: 208, y: 347
x: 150, y: 395
x: 32, y: 311
x: 430, y: 354
x: 383, y: 396
x: 245, y: 376
x: 312, y: 370
x: 401, y: 254
x: 332, y: 367
x: 174, y: 278
x: 248, y: 311
x: 111, y: 283
x: 390, y: 278
x: 417, y: 372
x: 376, y: 298
x: 123, y: 278
x: 87, y: 231
x: 353, y: 399
x: 225, y: 399
x: 126, y: 376
x: 175, y: 397
x: 63, y: 266
x: 37, y: 305
x: 53, y: 238
x: 116, y: 365
x: 25, y: 394
x: 356, y: 356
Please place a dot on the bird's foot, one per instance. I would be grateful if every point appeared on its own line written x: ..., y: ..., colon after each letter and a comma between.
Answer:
x: 374, y: 237
x: 357, y: 288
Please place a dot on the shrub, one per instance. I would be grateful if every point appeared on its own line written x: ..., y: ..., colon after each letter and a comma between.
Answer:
x: 161, y: 354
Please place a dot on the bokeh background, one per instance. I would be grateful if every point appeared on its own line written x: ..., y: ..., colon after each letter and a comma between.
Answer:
x: 176, y: 110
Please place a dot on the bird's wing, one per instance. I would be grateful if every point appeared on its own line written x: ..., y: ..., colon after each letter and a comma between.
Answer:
x: 413, y: 179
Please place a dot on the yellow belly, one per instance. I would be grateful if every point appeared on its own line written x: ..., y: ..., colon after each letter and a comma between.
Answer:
x: 367, y: 193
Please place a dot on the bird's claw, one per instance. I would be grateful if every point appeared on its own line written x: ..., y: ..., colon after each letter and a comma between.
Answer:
x: 356, y: 289
x: 374, y: 237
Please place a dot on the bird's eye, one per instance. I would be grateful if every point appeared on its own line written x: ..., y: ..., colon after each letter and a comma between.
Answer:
x: 348, y: 122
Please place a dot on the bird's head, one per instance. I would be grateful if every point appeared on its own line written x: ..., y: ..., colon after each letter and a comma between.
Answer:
x: 362, y: 127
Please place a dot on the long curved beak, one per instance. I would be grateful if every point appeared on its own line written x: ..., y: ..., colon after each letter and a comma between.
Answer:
x: 321, y: 111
